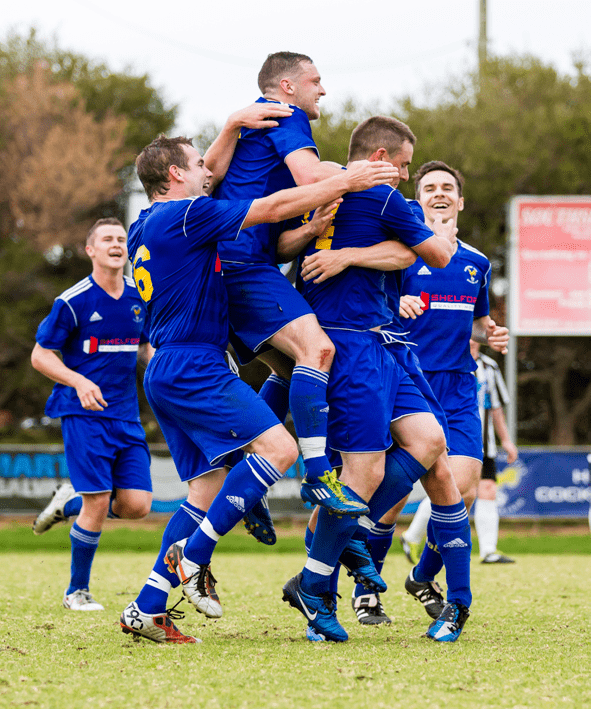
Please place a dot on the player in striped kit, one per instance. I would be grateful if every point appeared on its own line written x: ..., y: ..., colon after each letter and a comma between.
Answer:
x: 98, y: 326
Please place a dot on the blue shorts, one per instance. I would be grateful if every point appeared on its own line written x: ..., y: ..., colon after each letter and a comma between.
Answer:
x: 105, y: 454
x: 457, y: 394
x: 407, y: 359
x: 204, y: 410
x: 366, y: 390
x: 261, y: 302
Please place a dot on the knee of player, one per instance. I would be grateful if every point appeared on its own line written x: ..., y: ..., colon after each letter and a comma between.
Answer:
x: 284, y: 451
x: 436, y: 442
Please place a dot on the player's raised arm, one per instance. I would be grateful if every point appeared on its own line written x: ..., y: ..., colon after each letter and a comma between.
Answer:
x: 306, y: 167
x: 258, y: 115
x: 360, y: 175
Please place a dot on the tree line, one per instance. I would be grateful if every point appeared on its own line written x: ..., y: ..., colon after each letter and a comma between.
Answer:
x: 71, y: 127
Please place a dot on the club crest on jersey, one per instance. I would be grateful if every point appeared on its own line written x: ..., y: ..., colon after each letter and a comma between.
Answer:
x: 137, y: 313
x: 472, y: 273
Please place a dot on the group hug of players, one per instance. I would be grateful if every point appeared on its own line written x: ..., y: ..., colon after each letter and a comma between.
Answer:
x: 373, y: 267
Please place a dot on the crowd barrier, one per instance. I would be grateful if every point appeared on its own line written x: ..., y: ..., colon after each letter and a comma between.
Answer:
x: 544, y: 482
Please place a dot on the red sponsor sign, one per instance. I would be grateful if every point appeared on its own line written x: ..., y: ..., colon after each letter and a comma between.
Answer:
x: 551, y: 266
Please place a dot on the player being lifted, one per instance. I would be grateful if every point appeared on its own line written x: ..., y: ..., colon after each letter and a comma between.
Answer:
x: 370, y: 395
x: 265, y: 310
x: 204, y: 410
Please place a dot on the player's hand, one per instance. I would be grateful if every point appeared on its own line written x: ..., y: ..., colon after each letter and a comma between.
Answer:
x: 447, y: 230
x: 511, y: 450
x: 411, y: 306
x: 260, y: 115
x: 90, y: 395
x: 363, y: 174
x: 324, y: 264
x: 323, y: 217
x: 497, y: 337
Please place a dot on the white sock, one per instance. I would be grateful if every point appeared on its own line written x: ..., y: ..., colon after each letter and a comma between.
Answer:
x: 486, y: 521
x: 418, y: 526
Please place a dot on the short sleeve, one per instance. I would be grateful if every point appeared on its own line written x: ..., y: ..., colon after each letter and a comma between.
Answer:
x: 293, y: 133
x: 55, y: 330
x: 208, y: 219
x: 481, y: 307
x: 399, y: 217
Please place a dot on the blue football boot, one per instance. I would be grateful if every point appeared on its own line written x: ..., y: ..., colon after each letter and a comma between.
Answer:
x: 448, y: 627
x: 258, y: 522
x: 329, y: 492
x: 359, y: 564
x: 319, y: 611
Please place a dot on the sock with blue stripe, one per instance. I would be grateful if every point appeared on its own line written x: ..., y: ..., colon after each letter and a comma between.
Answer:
x: 243, y: 487
x: 84, y: 545
x: 333, y: 584
x: 154, y: 595
x: 401, y: 473
x: 307, y: 401
x: 72, y: 507
x: 275, y: 393
x: 330, y: 538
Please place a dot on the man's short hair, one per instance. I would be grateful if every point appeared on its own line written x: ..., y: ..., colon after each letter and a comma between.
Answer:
x: 155, y: 160
x: 379, y: 132
x: 432, y: 167
x: 279, y: 65
x: 113, y: 221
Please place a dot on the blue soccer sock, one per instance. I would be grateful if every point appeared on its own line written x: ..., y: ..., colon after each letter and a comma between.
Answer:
x: 307, y: 401
x: 401, y: 473
x: 379, y: 539
x: 84, y: 545
x: 72, y: 507
x: 333, y: 584
x: 451, y: 530
x: 243, y: 487
x: 275, y: 393
x: 430, y: 563
x: 154, y: 595
x: 330, y: 538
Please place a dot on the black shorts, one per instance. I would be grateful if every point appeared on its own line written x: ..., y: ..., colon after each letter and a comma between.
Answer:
x: 489, y: 469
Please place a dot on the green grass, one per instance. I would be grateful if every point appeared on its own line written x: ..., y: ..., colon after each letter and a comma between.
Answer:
x: 527, y: 643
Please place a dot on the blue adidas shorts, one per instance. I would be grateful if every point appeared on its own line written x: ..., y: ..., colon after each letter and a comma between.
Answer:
x: 261, y: 302
x: 205, y: 410
x: 105, y: 454
x: 367, y: 390
x: 407, y: 359
x: 457, y: 394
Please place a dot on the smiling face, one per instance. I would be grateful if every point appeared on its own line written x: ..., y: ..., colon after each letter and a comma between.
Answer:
x: 306, y: 90
x: 195, y: 177
x: 107, y: 247
x: 439, y: 194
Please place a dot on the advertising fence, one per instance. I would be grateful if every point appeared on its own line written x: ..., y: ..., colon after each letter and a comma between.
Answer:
x: 542, y: 483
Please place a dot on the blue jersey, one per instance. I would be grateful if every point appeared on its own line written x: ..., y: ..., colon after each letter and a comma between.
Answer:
x: 454, y: 297
x: 258, y: 169
x: 98, y: 337
x: 173, y: 248
x: 356, y: 299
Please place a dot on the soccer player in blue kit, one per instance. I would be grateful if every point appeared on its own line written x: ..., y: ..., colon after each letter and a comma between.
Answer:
x: 265, y: 310
x: 205, y: 411
x: 369, y: 394
x: 98, y: 325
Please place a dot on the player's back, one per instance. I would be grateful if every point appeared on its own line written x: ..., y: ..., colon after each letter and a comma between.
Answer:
x: 356, y: 298
x: 257, y: 170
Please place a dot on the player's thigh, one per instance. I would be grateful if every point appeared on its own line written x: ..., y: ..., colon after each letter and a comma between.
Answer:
x: 131, y: 469
x: 421, y: 435
x: 305, y: 341
x: 91, y: 452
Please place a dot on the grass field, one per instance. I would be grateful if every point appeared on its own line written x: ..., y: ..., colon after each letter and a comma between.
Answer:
x: 528, y: 642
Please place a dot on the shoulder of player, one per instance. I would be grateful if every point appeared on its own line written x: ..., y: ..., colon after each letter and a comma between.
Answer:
x: 472, y: 253
x: 76, y: 290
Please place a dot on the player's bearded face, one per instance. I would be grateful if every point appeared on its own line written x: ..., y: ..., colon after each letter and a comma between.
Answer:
x: 308, y: 90
x: 439, y: 195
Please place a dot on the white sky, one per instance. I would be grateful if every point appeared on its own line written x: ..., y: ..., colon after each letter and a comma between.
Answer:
x: 206, y: 56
